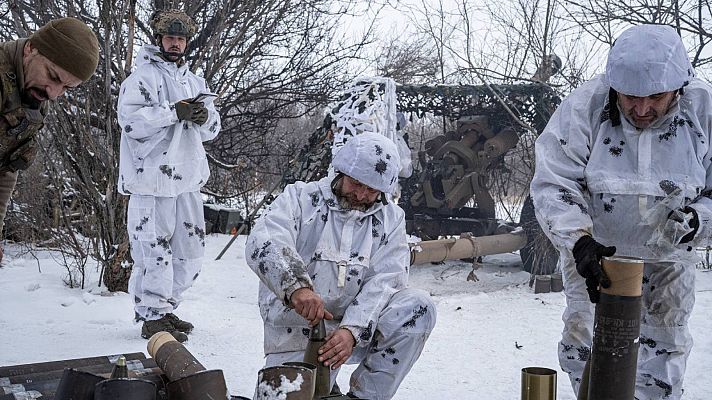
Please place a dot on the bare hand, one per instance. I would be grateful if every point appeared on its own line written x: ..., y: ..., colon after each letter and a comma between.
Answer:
x: 337, y: 349
x: 309, y: 305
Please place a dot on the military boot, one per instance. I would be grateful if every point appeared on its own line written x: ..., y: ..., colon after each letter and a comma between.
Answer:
x: 164, y: 324
x: 179, y: 324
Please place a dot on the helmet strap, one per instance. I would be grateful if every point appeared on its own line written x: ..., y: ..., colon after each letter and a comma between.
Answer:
x: 336, y: 183
x: 613, y: 112
x: 384, y: 200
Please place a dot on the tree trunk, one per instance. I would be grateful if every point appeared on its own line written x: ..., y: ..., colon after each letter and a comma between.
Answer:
x: 116, y: 277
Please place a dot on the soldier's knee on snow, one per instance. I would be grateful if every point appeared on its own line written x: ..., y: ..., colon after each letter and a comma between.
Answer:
x: 423, y: 315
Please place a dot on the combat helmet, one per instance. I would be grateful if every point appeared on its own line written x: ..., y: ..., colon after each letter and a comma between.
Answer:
x: 172, y: 22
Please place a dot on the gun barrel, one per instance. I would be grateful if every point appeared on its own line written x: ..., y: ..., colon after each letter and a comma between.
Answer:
x: 465, y: 247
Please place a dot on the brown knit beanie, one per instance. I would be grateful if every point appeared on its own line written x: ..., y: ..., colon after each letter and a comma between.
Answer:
x: 70, y: 44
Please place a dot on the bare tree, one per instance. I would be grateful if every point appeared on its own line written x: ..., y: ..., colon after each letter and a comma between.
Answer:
x: 494, y: 42
x: 603, y: 20
x: 408, y: 62
x: 270, y: 61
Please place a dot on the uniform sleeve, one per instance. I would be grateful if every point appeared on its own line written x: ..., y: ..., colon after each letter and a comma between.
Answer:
x: 703, y: 207
x: 703, y: 204
x: 210, y: 129
x: 140, y: 114
x: 386, y: 275
x: 558, y: 188
x: 271, y: 247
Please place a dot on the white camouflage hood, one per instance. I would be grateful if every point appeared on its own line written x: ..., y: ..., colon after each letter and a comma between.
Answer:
x: 648, y: 59
x: 370, y: 158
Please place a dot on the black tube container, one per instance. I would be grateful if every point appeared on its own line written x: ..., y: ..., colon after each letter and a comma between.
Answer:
x: 77, y: 385
x: 125, y: 389
x: 614, y: 354
x: 322, y: 377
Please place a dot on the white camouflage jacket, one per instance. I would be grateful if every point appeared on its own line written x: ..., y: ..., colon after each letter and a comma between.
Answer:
x: 305, y: 239
x: 594, y: 178
x: 161, y: 155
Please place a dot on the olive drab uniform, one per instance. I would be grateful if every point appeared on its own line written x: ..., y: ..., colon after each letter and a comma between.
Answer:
x: 19, y: 123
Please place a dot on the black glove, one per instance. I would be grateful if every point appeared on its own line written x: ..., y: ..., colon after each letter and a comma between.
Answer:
x: 587, y: 254
x: 694, y: 222
x: 195, y: 112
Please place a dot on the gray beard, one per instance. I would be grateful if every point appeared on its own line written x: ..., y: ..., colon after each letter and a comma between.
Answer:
x: 344, y: 202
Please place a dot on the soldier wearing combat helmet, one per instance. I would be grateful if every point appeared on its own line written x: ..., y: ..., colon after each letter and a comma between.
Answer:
x: 162, y: 168
x: 59, y: 56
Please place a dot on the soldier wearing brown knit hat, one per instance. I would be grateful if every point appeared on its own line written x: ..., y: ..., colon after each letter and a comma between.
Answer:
x: 70, y: 44
x: 59, y: 56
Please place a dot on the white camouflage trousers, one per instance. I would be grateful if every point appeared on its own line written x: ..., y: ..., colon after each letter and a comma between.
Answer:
x: 401, y: 333
x: 665, y: 341
x: 167, y: 236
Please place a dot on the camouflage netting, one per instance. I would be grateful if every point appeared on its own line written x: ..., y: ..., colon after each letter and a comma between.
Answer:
x: 532, y: 104
x: 369, y: 105
x: 525, y: 108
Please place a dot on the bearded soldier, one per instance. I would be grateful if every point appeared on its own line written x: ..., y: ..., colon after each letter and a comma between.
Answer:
x: 336, y: 250
x: 59, y: 56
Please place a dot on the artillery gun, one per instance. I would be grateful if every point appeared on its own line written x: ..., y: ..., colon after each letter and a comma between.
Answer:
x: 459, y: 176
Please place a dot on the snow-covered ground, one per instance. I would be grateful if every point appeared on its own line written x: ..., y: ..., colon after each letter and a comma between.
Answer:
x: 487, y: 330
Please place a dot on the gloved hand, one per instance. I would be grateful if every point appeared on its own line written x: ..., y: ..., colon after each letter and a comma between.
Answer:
x: 587, y: 254
x: 679, y: 223
x: 195, y: 112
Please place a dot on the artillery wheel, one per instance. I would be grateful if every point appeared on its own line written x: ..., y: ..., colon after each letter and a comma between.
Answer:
x: 539, y: 256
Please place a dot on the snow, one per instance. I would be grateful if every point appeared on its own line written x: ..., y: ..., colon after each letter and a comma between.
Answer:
x: 265, y: 390
x: 488, y: 329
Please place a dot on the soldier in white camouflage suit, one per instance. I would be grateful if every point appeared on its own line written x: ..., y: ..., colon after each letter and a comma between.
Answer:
x: 336, y: 249
x: 162, y: 167
x: 624, y: 167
